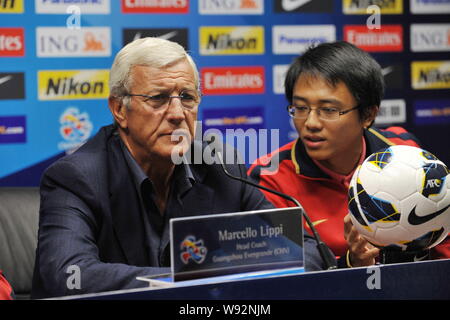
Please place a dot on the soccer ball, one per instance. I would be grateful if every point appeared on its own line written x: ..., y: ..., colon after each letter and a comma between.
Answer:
x: 399, y: 198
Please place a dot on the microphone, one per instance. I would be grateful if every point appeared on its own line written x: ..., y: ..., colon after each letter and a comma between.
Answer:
x: 325, y: 254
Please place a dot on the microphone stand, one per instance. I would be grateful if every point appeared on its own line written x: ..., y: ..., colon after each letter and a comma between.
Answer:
x: 321, y: 246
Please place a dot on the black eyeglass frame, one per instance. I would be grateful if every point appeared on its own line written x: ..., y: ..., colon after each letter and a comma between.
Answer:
x: 340, y: 113
x: 155, y: 99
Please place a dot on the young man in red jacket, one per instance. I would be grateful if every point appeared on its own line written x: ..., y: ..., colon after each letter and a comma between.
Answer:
x: 6, y: 291
x: 334, y: 92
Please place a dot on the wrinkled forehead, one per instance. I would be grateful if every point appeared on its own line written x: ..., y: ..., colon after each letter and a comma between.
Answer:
x: 180, y: 72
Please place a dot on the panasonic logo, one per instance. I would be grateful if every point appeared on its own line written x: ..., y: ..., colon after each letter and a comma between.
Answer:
x: 430, y: 6
x: 289, y: 40
x: 297, y: 38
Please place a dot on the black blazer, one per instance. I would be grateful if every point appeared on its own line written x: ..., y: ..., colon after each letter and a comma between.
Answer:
x: 90, y: 218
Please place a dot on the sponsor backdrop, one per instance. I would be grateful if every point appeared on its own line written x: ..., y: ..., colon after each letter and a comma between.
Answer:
x: 55, y: 57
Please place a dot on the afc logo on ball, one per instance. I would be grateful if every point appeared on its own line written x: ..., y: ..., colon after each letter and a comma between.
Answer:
x: 433, y: 183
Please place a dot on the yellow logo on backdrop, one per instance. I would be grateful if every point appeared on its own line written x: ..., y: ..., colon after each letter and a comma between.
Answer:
x: 430, y: 75
x: 231, y: 40
x: 73, y: 84
x: 11, y: 6
x: 360, y: 6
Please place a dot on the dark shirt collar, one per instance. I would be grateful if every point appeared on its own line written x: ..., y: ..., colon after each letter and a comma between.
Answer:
x: 182, y: 175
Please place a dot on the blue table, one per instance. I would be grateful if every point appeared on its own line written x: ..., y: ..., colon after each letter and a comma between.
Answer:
x: 418, y: 280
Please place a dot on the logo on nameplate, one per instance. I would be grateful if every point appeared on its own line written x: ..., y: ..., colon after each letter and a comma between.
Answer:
x: 193, y: 250
x: 220, y: 244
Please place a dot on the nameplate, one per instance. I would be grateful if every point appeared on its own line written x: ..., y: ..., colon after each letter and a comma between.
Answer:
x: 221, y: 244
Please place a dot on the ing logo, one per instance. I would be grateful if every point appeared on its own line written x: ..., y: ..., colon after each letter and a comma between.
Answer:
x: 91, y: 43
x: 192, y: 249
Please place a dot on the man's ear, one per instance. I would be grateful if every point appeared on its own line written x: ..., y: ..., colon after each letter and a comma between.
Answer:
x: 118, y: 110
x: 370, y: 117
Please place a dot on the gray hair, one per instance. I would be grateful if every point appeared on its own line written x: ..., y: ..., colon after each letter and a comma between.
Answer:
x: 152, y: 52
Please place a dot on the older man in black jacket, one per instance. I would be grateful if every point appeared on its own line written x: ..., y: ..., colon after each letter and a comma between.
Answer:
x: 105, y: 209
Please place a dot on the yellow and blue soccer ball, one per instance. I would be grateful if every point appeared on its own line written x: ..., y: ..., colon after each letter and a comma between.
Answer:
x: 400, y: 198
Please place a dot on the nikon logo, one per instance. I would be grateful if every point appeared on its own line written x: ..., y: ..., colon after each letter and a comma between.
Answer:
x: 430, y: 75
x: 434, y: 76
x: 11, y: 6
x: 226, y: 42
x: 231, y: 40
x: 73, y: 84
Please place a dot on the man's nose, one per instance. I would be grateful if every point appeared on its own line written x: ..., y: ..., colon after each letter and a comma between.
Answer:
x: 313, y: 120
x: 175, y: 110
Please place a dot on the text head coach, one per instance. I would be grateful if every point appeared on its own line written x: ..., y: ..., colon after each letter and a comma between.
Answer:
x: 105, y: 209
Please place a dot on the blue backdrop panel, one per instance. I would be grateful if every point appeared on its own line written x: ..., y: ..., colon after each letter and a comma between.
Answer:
x: 54, y: 62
